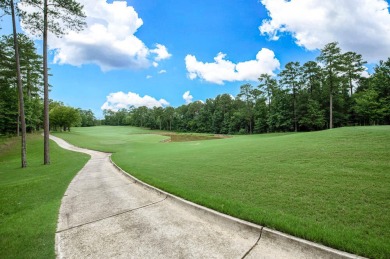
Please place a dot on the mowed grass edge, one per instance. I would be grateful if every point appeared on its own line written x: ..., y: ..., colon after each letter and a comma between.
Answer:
x: 331, y: 187
x: 30, y: 198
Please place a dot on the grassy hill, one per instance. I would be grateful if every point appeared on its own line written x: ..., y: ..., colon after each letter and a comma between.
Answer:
x: 332, y: 187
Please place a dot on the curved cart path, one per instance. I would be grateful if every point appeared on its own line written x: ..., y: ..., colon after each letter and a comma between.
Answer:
x: 105, y: 214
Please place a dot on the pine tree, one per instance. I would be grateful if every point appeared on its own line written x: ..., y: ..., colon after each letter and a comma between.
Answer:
x: 331, y: 58
x: 57, y: 17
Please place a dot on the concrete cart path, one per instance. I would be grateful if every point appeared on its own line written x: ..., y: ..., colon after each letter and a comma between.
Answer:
x: 105, y: 214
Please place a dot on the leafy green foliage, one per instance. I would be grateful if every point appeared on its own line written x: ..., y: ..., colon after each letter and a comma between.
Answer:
x: 87, y: 118
x: 64, y: 117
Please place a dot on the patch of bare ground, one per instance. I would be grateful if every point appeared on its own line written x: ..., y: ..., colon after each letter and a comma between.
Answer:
x: 177, y: 137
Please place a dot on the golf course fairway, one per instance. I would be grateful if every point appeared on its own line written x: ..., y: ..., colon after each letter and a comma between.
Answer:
x: 331, y: 187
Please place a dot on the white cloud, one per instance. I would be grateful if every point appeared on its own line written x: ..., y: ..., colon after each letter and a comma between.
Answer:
x: 162, y: 71
x: 365, y: 72
x: 148, y: 76
x: 120, y: 100
x: 161, y: 52
x: 362, y: 26
x: 224, y: 70
x: 108, y: 41
x: 187, y: 97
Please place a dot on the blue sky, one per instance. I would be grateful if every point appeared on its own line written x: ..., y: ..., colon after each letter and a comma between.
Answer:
x: 152, y: 52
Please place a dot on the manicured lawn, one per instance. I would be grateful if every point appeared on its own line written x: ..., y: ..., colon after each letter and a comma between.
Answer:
x: 332, y: 187
x: 30, y: 198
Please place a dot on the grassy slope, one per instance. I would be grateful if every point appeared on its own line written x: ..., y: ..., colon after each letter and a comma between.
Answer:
x: 30, y: 198
x: 332, y: 187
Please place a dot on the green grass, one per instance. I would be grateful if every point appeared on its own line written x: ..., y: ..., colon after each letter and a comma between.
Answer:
x: 331, y: 187
x: 30, y: 198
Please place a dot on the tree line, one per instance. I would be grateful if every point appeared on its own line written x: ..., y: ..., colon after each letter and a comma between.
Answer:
x: 325, y: 93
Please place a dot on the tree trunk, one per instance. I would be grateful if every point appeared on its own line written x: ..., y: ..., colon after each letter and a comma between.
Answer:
x: 46, y: 129
x: 20, y: 89
x: 18, y: 122
x: 331, y: 102
x: 350, y: 85
x: 331, y: 111
x: 295, y: 110
x: 295, y: 116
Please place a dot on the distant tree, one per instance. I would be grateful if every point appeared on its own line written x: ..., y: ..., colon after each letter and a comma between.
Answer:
x: 65, y: 117
x: 180, y: 119
x: 260, y: 115
x: 313, y: 117
x: 353, y: 67
x: 331, y: 58
x: 192, y: 116
x: 87, y: 118
x: 249, y: 95
x: 290, y: 76
x: 121, y: 117
x: 380, y: 82
x: 367, y: 107
x: 109, y: 117
x: 268, y: 86
x: 139, y: 116
x: 56, y: 16
x: 169, y: 114
x: 311, y: 75
x: 280, y: 118
x: 158, y: 113
x: 222, y: 109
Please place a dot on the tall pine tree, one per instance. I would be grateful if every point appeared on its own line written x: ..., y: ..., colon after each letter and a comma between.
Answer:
x: 56, y: 16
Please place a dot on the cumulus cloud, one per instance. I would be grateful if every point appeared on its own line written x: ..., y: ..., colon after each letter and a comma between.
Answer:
x: 121, y: 100
x: 108, y: 41
x: 162, y: 71
x: 187, y: 97
x: 161, y: 52
x: 224, y: 70
x: 362, y: 26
